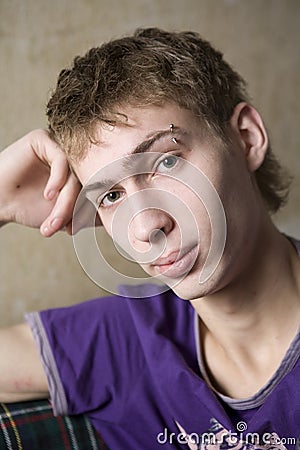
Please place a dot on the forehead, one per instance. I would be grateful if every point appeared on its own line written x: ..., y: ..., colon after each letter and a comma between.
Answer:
x: 140, y: 126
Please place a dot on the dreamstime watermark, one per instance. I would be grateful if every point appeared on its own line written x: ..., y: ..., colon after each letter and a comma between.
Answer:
x: 161, y: 199
x: 221, y: 438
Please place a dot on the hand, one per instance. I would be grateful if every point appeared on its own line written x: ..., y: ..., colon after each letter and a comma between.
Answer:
x: 37, y: 188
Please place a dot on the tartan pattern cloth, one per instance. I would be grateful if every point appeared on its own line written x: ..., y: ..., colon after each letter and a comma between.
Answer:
x: 32, y: 426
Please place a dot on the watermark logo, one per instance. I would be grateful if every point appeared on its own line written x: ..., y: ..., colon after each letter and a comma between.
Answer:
x: 165, y: 199
x: 217, y: 438
x: 241, y: 426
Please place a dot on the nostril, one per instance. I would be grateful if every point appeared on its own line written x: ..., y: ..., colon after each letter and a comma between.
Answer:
x: 151, y: 225
x: 157, y: 235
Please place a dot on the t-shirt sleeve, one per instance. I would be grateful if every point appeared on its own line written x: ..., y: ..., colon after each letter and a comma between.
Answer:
x: 91, y: 355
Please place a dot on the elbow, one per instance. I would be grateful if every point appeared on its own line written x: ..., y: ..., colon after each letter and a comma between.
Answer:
x: 13, y: 397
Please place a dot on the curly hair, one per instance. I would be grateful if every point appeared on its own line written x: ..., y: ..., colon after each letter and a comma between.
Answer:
x: 153, y: 66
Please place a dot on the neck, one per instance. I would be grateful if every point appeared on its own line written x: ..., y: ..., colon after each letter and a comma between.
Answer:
x: 261, y: 302
x: 247, y: 327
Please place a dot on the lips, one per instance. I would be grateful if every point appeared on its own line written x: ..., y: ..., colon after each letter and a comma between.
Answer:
x: 172, y: 267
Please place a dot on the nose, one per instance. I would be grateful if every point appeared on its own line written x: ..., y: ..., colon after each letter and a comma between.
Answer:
x: 149, y: 224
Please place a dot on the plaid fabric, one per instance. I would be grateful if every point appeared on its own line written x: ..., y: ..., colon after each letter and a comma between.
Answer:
x: 32, y: 426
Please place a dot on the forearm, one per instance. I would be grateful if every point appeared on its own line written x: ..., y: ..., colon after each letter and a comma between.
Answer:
x: 21, y: 373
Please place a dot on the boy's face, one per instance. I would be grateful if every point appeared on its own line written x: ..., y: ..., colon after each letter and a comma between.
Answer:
x: 171, y: 195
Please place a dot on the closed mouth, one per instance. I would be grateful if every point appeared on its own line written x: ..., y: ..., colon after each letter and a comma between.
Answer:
x: 174, y: 267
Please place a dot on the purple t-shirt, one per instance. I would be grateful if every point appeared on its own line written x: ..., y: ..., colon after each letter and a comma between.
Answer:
x: 132, y: 366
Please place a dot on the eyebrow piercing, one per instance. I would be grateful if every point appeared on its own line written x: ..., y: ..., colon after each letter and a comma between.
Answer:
x: 172, y: 130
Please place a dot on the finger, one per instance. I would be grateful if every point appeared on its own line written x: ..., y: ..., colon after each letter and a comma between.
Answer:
x: 59, y: 173
x: 51, y: 154
x: 45, y: 148
x: 62, y: 211
x: 59, y: 167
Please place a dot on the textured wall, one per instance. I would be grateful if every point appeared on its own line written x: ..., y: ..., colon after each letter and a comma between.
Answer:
x: 37, y: 38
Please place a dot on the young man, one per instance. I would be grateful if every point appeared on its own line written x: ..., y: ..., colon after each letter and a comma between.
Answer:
x: 148, y: 122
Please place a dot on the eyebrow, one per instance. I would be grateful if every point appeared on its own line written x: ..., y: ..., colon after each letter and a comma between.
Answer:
x: 148, y: 143
x: 143, y: 147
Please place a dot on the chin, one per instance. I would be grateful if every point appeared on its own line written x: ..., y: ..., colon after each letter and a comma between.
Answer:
x: 190, y: 288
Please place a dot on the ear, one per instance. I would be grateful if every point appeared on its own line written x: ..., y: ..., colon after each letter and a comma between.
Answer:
x: 248, y: 126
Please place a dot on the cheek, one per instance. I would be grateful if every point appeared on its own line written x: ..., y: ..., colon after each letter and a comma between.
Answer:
x: 106, y: 222
x: 202, y: 204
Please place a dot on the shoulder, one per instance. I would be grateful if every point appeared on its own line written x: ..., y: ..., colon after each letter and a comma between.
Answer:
x: 144, y: 297
x: 140, y: 315
x: 155, y: 302
x: 145, y: 303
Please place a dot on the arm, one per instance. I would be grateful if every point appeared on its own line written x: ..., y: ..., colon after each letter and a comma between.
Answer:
x: 37, y: 188
x: 22, y: 376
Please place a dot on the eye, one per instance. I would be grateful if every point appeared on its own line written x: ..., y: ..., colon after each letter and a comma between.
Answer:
x: 167, y: 163
x: 110, y: 198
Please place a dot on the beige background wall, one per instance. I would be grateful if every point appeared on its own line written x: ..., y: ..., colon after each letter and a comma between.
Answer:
x: 38, y: 37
